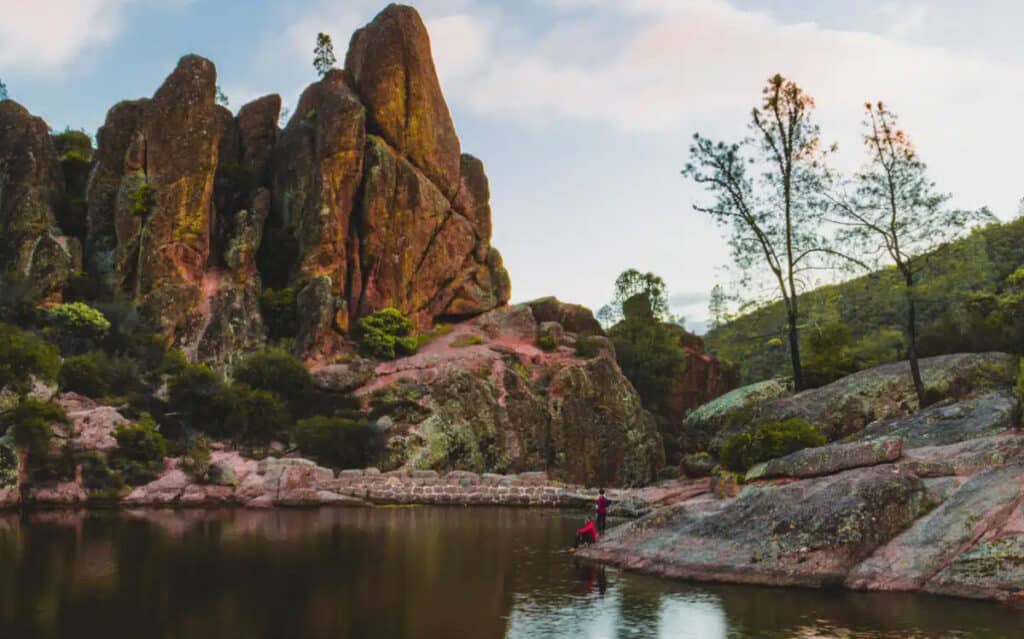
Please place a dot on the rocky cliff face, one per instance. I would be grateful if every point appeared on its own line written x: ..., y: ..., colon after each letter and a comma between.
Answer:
x: 367, y: 182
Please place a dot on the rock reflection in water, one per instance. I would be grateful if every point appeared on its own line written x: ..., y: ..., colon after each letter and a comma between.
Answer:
x: 399, y: 572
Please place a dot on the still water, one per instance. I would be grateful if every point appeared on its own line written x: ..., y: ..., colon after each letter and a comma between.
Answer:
x: 395, y: 573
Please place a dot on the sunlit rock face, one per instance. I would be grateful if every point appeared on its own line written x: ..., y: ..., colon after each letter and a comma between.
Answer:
x: 366, y: 189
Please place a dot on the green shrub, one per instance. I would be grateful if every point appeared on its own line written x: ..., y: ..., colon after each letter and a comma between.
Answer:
x: 81, y: 374
x: 257, y: 416
x: 29, y: 425
x: 1019, y: 390
x: 77, y: 322
x: 97, y: 476
x: 140, y: 451
x: 280, y: 312
x: 201, y: 398
x: 277, y: 372
x: 143, y: 200
x: 24, y: 356
x: 547, y: 342
x: 769, y: 441
x: 422, y: 339
x: 195, y: 458
x: 337, y: 442
x: 386, y: 334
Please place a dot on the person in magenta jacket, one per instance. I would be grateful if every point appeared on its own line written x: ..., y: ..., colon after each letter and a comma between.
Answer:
x: 602, y: 511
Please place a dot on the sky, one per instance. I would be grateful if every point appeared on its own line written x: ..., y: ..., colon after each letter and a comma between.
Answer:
x: 582, y: 110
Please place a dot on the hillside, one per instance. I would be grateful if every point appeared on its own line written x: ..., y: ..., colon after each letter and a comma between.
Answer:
x: 872, y: 307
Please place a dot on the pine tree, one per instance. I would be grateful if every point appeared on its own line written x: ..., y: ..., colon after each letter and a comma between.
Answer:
x: 323, y: 54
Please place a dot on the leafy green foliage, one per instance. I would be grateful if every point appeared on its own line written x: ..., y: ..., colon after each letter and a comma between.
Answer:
x: 80, y: 320
x: 463, y: 341
x: 75, y: 151
x: 769, y: 441
x: 280, y: 312
x: 140, y: 451
x: 648, y: 352
x: 81, y: 374
x: 338, y: 442
x: 277, y: 372
x: 588, y: 346
x: 222, y: 98
x: 965, y: 303
x: 628, y: 285
x: 323, y: 54
x: 386, y: 334
x: 29, y: 424
x: 547, y: 342
x: 24, y: 356
x: 257, y: 416
x: 143, y: 200
x: 97, y: 476
x: 195, y: 456
x: 3, y: 90
x: 201, y: 398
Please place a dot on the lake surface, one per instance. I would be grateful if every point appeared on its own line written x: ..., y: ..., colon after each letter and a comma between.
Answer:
x: 396, y: 573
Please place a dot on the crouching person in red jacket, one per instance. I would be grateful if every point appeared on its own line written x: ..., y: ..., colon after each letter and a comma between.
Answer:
x: 586, y: 535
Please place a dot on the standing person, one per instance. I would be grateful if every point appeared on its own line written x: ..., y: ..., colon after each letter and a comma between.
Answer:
x: 602, y: 511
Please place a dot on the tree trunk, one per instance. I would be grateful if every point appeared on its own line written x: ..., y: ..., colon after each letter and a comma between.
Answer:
x: 794, y: 353
x: 915, y: 369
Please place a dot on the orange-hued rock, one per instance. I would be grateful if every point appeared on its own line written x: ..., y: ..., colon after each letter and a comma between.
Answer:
x: 31, y: 191
x: 391, y: 66
x: 703, y: 379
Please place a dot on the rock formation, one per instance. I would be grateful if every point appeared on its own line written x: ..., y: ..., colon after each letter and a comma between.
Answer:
x: 33, y: 250
x: 366, y: 181
x: 885, y: 514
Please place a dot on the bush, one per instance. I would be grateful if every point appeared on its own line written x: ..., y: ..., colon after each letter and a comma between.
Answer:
x: 386, y: 334
x: 97, y: 476
x: 547, y: 342
x: 29, y: 425
x: 81, y: 374
x: 277, y: 372
x: 78, y: 319
x: 201, y: 398
x: 143, y: 200
x: 256, y: 415
x: 195, y: 458
x: 140, y: 451
x: 24, y: 356
x: 341, y: 443
x: 280, y: 312
x: 769, y: 441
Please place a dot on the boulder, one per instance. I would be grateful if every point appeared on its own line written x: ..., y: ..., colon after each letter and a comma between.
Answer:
x: 965, y: 458
x: 344, y: 377
x: 909, y: 561
x: 948, y: 422
x: 703, y: 378
x: 574, y: 318
x: 826, y: 460
x: 392, y: 70
x: 807, y: 533
x: 845, y: 407
x: 32, y: 247
x: 257, y: 135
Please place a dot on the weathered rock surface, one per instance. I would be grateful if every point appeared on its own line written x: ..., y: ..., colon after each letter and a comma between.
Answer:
x: 827, y: 460
x: 32, y: 247
x: 500, y: 403
x: 809, y: 533
x: 847, y: 406
x: 392, y: 69
x: 943, y: 519
x: 948, y: 423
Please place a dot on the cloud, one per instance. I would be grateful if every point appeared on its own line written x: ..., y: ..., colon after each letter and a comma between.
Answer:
x: 44, y: 36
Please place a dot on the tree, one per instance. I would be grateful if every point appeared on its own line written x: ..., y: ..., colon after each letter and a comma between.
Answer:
x: 767, y: 191
x: 895, y: 214
x: 222, y: 99
x: 648, y: 351
x: 323, y: 54
x: 718, y: 306
x: 630, y: 283
x: 3, y: 90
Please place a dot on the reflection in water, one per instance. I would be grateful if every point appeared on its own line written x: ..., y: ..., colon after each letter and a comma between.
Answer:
x: 399, y: 572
